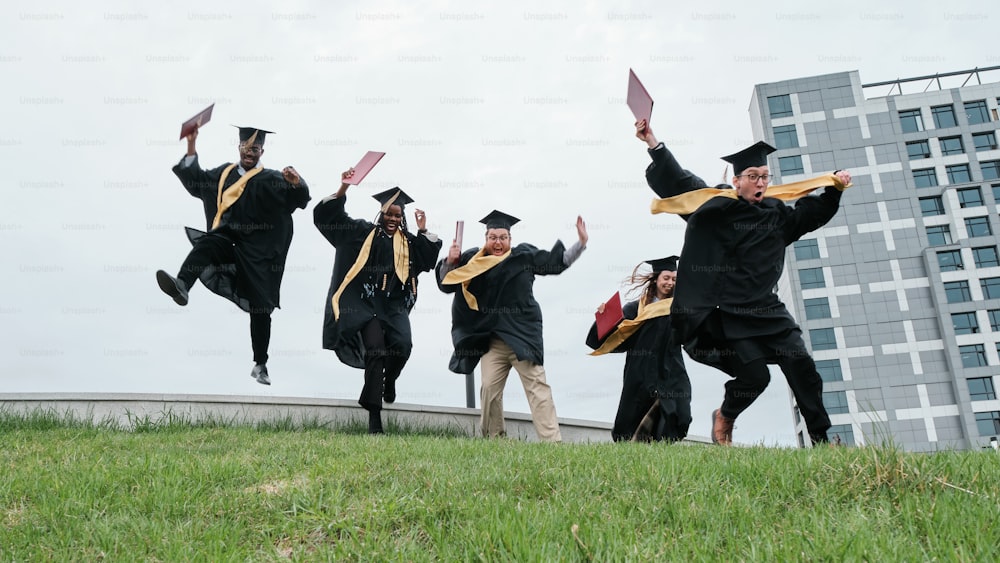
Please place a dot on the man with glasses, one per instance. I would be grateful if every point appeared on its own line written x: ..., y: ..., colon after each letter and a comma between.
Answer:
x: 496, y: 320
x: 726, y: 310
x: 248, y: 212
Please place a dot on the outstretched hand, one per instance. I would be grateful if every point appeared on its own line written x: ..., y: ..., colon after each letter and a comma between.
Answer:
x: 645, y: 133
x: 291, y: 176
x: 581, y: 231
x: 421, y: 218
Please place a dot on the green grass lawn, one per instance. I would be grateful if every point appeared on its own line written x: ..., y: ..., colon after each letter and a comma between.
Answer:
x: 73, y: 491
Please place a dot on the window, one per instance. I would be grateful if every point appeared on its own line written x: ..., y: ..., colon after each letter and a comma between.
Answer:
x: 944, y: 116
x: 810, y: 278
x: 984, y: 141
x: 988, y: 423
x: 991, y: 288
x: 818, y: 308
x: 994, y: 315
x: 957, y: 291
x: 996, y: 192
x: 991, y: 169
x: 806, y: 249
x: 970, y: 197
x: 829, y: 370
x: 785, y: 137
x: 965, y: 323
x: 918, y: 149
x: 958, y: 173
x: 938, y: 235
x: 842, y: 434
x: 976, y: 112
x: 823, y: 338
x: 951, y: 145
x: 981, y: 389
x: 780, y: 106
x: 931, y: 206
x: 925, y: 178
x: 973, y: 355
x: 835, y: 402
x: 978, y: 226
x: 985, y: 257
x: 791, y: 165
x: 950, y: 260
x: 910, y: 121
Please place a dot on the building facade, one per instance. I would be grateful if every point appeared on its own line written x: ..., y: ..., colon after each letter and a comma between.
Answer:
x: 898, y: 296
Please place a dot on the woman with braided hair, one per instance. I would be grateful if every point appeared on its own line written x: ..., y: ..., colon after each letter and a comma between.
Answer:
x: 373, y: 288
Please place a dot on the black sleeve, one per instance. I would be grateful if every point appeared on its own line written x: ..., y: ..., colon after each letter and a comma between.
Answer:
x: 811, y: 213
x: 666, y: 177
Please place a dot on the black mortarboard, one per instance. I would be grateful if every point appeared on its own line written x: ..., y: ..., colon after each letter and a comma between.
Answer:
x: 499, y: 220
x: 752, y: 156
x: 246, y: 133
x: 668, y: 264
x: 393, y: 196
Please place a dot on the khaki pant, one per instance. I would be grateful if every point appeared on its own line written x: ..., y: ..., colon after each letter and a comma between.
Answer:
x: 496, y: 364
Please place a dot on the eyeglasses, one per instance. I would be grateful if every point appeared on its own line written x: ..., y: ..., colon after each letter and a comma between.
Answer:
x: 755, y: 177
x: 495, y: 238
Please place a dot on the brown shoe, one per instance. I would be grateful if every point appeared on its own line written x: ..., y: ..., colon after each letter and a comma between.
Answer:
x: 722, y: 429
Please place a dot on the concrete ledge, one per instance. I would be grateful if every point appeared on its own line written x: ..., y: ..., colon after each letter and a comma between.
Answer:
x: 125, y: 408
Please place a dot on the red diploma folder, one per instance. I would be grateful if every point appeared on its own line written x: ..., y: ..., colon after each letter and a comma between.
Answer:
x: 609, y: 319
x: 638, y: 98
x: 459, y: 231
x: 364, y: 166
x: 197, y: 121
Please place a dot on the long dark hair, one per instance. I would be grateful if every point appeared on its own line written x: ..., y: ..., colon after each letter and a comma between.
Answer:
x: 641, y: 283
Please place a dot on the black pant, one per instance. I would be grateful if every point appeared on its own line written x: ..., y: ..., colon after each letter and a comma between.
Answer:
x: 751, y: 378
x: 212, y: 249
x: 381, y: 364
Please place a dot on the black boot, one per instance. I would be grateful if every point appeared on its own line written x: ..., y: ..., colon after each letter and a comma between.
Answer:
x: 375, y: 422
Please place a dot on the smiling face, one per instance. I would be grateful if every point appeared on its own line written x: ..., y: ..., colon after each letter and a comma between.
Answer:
x: 391, y: 219
x: 497, y: 241
x: 250, y: 155
x: 752, y: 191
x: 665, y: 284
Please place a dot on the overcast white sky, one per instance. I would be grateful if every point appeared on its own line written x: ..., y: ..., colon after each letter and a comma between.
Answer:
x: 518, y: 106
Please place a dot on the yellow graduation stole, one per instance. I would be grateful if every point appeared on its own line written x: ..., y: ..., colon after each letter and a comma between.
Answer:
x: 400, y: 258
x: 480, y: 263
x: 628, y: 327
x: 227, y: 199
x: 689, y: 202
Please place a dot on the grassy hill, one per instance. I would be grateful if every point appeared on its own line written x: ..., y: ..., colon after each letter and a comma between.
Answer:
x: 177, y: 491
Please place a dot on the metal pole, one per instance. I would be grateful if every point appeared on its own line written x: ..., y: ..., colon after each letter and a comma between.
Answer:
x: 470, y: 390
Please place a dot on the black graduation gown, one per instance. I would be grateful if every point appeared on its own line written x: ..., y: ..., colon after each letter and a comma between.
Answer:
x: 376, y: 291
x: 733, y: 256
x: 507, y: 306
x: 654, y: 368
x: 260, y: 225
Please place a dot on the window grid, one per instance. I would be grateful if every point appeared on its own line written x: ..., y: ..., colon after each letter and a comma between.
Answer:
x: 918, y: 149
x: 811, y: 278
x: 806, y: 249
x: 994, y: 315
x: 976, y: 112
x: 818, y: 308
x: 951, y: 145
x: 925, y: 178
x: 944, y: 116
x: 835, y: 402
x: 965, y: 323
x: 981, y: 389
x: 958, y: 173
x: 829, y: 370
x: 990, y: 287
x: 938, y: 235
x: 988, y: 423
x: 823, y: 338
x: 910, y: 120
x: 970, y: 197
x: 791, y: 165
x: 978, y: 227
x: 985, y: 256
x: 785, y: 137
x: 957, y: 291
x: 984, y: 141
x: 933, y: 205
x: 950, y: 260
x: 973, y: 355
x: 780, y: 106
x: 990, y: 169
x: 843, y: 432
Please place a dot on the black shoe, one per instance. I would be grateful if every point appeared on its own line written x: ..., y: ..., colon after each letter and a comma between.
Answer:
x: 389, y: 390
x: 172, y: 287
x: 375, y: 422
x: 259, y: 372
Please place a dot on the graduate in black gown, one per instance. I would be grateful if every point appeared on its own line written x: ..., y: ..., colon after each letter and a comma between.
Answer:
x: 372, y: 289
x: 655, y: 387
x: 726, y: 311
x: 497, y: 322
x: 248, y: 214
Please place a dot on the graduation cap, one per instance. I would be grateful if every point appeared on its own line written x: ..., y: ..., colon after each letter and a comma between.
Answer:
x: 393, y: 196
x: 668, y: 264
x: 252, y: 135
x: 753, y: 156
x: 499, y: 220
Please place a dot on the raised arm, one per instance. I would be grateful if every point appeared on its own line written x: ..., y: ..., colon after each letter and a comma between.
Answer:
x: 812, y: 212
x: 665, y: 175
